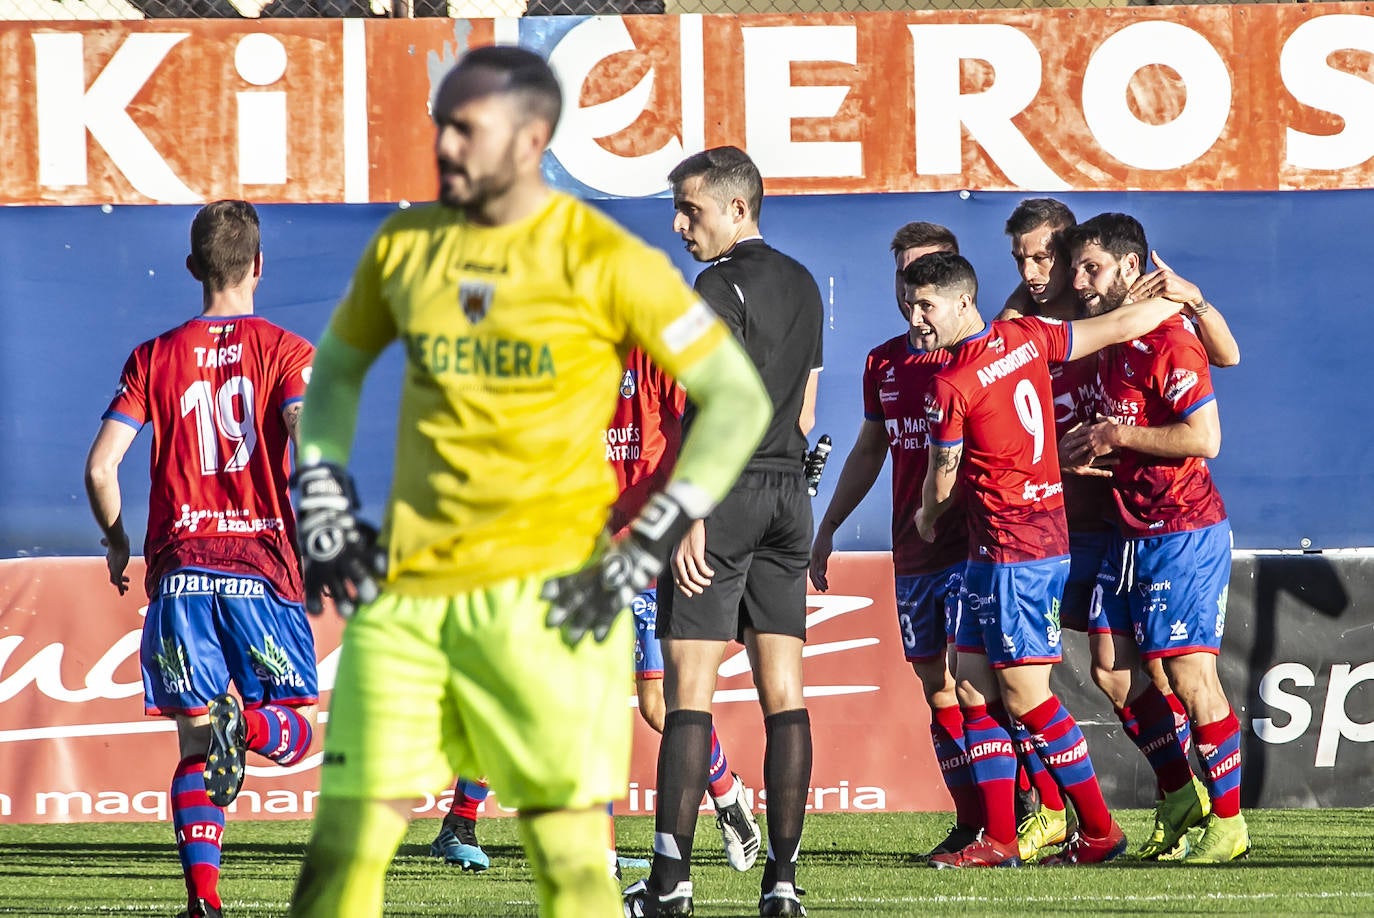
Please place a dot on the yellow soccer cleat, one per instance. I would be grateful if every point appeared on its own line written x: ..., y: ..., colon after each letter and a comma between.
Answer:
x: 1223, y: 841
x: 1179, y: 811
x: 1042, y: 829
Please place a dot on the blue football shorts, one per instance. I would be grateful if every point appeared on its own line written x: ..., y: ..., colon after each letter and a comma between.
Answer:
x: 1177, y: 586
x: 1010, y: 612
x: 205, y: 630
x: 927, y: 609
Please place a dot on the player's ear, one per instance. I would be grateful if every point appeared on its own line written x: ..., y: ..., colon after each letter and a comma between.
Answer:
x: 739, y: 210
x: 257, y: 264
x: 193, y: 268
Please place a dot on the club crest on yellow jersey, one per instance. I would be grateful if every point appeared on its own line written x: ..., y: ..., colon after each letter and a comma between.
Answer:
x: 475, y: 298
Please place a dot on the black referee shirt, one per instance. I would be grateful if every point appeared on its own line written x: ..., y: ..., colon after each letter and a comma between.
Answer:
x: 773, y: 307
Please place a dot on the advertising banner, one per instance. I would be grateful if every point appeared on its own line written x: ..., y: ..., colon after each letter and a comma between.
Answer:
x: 1209, y: 98
x: 74, y: 744
x: 1298, y: 666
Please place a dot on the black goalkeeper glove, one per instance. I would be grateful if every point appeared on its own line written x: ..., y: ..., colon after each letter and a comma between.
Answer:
x: 589, y: 599
x: 339, y: 551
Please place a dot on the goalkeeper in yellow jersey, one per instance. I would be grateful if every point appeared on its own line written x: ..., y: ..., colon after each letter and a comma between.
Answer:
x: 464, y: 651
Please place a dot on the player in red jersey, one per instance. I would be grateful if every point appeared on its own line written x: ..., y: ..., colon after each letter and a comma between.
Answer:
x: 991, y: 432
x: 927, y: 576
x: 1150, y: 714
x: 1174, y: 558
x: 222, y: 393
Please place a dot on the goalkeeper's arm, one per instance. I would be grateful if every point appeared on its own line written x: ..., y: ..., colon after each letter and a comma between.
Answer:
x: 733, y: 410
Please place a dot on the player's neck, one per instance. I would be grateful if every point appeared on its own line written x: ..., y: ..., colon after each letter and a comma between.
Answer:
x: 1065, y: 307
x: 524, y: 199
x: 232, y: 301
x: 972, y: 328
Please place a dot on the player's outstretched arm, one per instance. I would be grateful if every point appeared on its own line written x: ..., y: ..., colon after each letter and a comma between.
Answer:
x: 1121, y: 324
x: 733, y: 410
x: 337, y: 549
x: 1215, y: 335
x: 102, y: 490
x: 861, y: 468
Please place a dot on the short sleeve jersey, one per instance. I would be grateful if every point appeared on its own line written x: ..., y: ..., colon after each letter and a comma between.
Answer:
x: 1088, y: 500
x: 1155, y: 380
x: 895, y: 382
x: 644, y: 434
x: 771, y: 304
x: 515, y: 337
x: 994, y: 398
x: 214, y: 390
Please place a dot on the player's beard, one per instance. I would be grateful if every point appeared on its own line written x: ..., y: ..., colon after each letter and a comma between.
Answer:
x: 482, y: 190
x: 1104, y: 303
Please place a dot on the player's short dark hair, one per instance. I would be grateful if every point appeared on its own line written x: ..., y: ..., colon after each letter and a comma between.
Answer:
x: 921, y: 234
x: 1033, y: 213
x: 225, y: 239
x: 943, y: 271
x: 727, y: 173
x: 527, y: 75
x: 1118, y: 234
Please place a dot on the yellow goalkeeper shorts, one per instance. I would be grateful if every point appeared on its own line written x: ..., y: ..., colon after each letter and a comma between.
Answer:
x: 477, y: 684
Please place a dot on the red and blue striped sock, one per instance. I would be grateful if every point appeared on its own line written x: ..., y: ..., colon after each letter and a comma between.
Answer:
x: 1065, y: 753
x: 720, y: 781
x: 1182, y: 725
x: 199, y: 826
x: 278, y: 732
x: 1027, y: 759
x: 467, y: 797
x: 1219, y: 745
x: 951, y: 752
x: 1158, y: 739
x: 993, y: 763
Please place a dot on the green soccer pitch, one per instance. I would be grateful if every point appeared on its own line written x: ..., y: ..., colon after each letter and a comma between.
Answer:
x: 1304, y: 862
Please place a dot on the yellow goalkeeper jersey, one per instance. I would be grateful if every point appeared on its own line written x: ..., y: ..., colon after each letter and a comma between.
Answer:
x: 514, y: 339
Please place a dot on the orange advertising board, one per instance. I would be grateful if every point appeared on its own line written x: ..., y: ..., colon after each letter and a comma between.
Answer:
x: 1206, y: 98
x: 75, y: 746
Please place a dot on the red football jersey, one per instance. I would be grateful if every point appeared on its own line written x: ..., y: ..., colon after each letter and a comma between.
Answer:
x: 644, y: 434
x: 1155, y: 380
x: 994, y: 397
x: 1089, y: 502
x: 214, y: 390
x: 896, y: 380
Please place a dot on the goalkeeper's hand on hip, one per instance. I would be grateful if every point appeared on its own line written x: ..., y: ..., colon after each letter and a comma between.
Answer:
x: 590, y: 599
x: 339, y: 550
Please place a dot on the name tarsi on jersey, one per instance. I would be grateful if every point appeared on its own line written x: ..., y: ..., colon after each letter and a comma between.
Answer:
x: 214, y: 390
x: 1160, y: 379
x: 895, y: 384
x: 994, y: 399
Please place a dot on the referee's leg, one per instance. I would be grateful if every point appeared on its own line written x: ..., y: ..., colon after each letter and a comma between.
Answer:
x: 684, y: 756
x: 776, y: 660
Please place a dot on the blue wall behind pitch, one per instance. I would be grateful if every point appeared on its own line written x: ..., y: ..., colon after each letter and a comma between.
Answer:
x: 79, y: 288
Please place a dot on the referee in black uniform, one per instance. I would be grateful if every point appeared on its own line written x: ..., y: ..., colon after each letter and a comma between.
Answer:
x: 741, y: 573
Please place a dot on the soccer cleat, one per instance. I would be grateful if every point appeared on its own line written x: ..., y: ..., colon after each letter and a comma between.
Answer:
x: 782, y: 899
x: 959, y: 837
x: 1179, y: 811
x: 1084, y: 849
x: 457, y: 844
x: 1040, y: 830
x: 201, y: 909
x: 739, y: 830
x: 1224, y: 840
x: 983, y: 852
x: 641, y: 903
x: 228, y: 752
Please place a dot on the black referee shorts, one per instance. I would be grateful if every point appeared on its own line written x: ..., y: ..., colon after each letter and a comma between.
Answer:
x: 758, y: 541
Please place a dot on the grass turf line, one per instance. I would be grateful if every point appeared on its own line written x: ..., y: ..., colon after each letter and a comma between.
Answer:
x: 1304, y: 862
